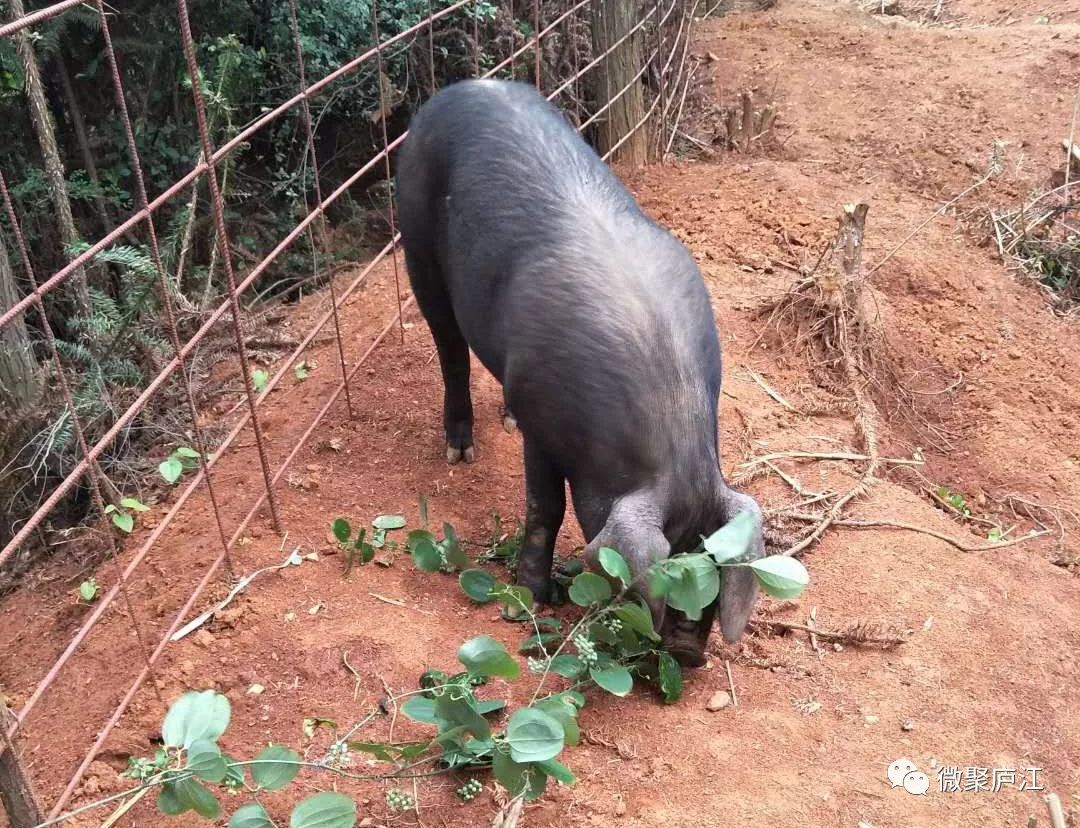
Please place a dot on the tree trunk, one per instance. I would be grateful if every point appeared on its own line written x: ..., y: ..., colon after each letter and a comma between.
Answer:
x: 78, y: 124
x: 611, y: 20
x: 20, y: 374
x: 54, y: 166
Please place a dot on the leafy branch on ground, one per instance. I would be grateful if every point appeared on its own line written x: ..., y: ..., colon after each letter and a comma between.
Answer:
x: 612, y: 644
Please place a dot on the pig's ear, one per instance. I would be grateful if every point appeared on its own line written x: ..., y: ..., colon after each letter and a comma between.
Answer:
x: 738, y: 593
x: 738, y: 586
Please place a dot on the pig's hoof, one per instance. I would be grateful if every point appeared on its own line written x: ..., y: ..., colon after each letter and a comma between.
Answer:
x: 509, y: 423
x: 687, y: 656
x: 515, y: 615
x: 455, y: 455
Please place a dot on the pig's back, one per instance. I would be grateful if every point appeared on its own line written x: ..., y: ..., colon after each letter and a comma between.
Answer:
x: 594, y: 318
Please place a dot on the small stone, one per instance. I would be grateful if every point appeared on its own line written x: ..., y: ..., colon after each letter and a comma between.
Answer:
x: 366, y: 822
x: 838, y: 647
x: 204, y: 638
x: 620, y: 808
x: 256, y: 690
x: 907, y: 725
x: 719, y: 700
x: 872, y: 720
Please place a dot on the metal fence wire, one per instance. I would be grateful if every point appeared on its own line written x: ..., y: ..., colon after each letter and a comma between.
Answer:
x: 663, y: 29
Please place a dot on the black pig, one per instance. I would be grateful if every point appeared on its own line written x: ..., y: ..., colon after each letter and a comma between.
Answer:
x: 522, y: 245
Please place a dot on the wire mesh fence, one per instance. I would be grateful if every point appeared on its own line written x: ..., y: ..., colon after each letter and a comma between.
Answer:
x: 558, y: 51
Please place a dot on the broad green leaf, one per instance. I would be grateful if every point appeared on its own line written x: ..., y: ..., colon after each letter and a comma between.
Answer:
x: 420, y: 709
x: 88, y: 590
x: 535, y: 642
x: 670, y: 678
x: 614, y: 678
x: 731, y: 540
x: 197, y: 798
x: 275, y: 767
x: 517, y: 777
x: 252, y: 815
x: 477, y: 584
x: 454, y: 709
x: 567, y: 666
x: 575, y: 698
x: 638, y: 618
x: 563, y: 709
x: 513, y: 597
x: 259, y: 378
x: 697, y: 584
x: 168, y: 802
x: 188, y: 453
x: 615, y: 565
x: 133, y: 504
x: 781, y: 576
x: 425, y: 553
x: 485, y: 707
x: 661, y: 580
x: 588, y: 588
x: 534, y: 735
x: 388, y: 522
x: 234, y: 771
x: 196, y: 716
x: 123, y: 521
x: 324, y: 810
x: 600, y: 634
x: 342, y: 530
x: 451, y: 547
x: 484, y: 656
x: 556, y: 769
x: 206, y: 762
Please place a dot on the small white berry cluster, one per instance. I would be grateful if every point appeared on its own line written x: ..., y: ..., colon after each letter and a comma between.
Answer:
x: 586, y: 649
x: 338, y: 756
x: 469, y: 790
x: 613, y: 624
x: 537, y: 665
x: 398, y: 800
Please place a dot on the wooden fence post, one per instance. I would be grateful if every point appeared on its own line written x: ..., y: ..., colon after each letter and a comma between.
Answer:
x: 15, y: 793
x: 611, y: 20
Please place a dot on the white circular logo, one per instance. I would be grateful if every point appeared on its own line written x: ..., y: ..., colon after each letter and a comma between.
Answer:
x: 917, y: 783
x: 899, y: 769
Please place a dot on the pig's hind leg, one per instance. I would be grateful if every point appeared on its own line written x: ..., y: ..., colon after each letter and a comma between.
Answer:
x: 545, y: 506
x: 434, y: 301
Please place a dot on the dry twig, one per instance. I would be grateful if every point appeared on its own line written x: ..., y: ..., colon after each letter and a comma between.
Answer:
x: 859, y: 633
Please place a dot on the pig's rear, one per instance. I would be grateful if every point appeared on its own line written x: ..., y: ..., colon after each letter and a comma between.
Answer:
x: 593, y: 317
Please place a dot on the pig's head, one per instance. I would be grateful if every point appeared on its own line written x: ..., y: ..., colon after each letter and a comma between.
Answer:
x: 634, y: 528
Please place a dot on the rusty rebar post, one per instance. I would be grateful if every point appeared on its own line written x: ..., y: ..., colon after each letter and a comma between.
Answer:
x: 93, y: 469
x: 142, y: 200
x: 660, y: 83
x: 316, y: 176
x: 386, y: 158
x: 218, y: 209
x: 538, y: 57
x: 431, y: 47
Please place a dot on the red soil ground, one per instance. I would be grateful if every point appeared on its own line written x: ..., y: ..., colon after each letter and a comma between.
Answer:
x: 877, y: 109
